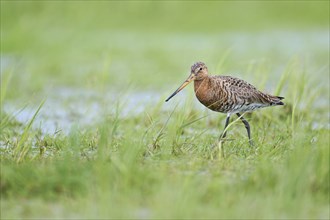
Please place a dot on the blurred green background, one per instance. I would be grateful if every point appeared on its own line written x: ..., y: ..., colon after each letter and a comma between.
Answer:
x: 150, y: 45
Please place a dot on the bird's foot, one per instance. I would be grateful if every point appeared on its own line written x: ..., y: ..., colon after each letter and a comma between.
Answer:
x: 251, y: 143
x: 222, y: 137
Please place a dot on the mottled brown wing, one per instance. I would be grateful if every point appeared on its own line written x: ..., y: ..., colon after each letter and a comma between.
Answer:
x: 242, y: 91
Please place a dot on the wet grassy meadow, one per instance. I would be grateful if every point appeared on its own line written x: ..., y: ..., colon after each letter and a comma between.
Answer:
x: 86, y: 132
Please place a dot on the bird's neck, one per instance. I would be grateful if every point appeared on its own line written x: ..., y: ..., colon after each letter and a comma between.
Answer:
x: 201, y: 84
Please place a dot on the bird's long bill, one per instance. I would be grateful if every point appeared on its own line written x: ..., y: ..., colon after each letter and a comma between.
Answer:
x: 184, y: 84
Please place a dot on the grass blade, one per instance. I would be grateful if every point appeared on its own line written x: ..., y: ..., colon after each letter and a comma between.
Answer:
x: 22, y: 148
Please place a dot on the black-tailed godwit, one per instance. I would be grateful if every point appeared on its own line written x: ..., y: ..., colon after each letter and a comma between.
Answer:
x: 227, y: 94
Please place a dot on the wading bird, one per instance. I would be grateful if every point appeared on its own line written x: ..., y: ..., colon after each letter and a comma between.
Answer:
x: 227, y: 94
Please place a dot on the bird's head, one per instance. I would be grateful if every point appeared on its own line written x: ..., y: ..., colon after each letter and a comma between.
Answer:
x: 198, y: 72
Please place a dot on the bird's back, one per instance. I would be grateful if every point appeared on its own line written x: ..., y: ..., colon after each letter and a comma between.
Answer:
x: 231, y: 95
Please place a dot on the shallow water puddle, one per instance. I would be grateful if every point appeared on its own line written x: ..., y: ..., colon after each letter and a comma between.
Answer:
x: 66, y: 107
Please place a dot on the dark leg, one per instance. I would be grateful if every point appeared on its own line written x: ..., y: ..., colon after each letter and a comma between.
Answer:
x: 247, y: 126
x: 223, y: 134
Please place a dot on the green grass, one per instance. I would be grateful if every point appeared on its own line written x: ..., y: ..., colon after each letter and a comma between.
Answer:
x: 164, y: 162
x: 123, y: 169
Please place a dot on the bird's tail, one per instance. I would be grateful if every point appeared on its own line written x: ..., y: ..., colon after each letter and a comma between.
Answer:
x: 277, y: 100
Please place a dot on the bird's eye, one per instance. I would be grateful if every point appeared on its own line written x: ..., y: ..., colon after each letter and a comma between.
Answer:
x: 200, y: 69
